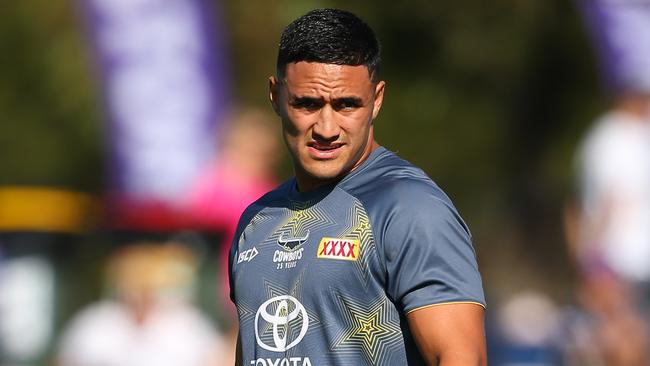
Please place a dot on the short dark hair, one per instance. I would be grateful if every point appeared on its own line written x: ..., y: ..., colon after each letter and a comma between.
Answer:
x: 330, y: 36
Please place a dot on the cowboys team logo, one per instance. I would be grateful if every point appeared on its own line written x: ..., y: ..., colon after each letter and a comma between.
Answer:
x: 288, y: 258
x: 280, y: 323
x: 289, y: 243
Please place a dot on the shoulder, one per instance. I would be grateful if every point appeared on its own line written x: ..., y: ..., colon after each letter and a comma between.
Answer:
x: 422, y: 242
x: 394, y: 189
x: 275, y: 197
x: 385, y: 170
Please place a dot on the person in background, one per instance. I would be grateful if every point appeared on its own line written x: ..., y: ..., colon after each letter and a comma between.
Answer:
x: 243, y: 170
x: 149, y: 319
x: 610, y: 223
x: 613, y: 240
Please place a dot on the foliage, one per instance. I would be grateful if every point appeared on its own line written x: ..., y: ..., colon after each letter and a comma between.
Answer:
x: 489, y: 98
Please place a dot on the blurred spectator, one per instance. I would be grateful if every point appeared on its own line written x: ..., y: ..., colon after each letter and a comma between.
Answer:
x: 610, y: 231
x: 149, y: 320
x: 615, y: 191
x: 26, y: 307
x: 38, y: 228
x: 242, y: 172
x: 526, y: 331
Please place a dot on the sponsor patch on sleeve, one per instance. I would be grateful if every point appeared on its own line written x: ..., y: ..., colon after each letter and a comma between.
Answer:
x: 336, y: 248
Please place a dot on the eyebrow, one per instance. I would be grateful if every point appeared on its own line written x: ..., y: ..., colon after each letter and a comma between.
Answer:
x: 301, y: 98
x: 349, y: 100
x: 346, y: 99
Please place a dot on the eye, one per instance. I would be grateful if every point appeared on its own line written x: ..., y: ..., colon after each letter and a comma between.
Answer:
x: 347, y: 104
x: 306, y: 103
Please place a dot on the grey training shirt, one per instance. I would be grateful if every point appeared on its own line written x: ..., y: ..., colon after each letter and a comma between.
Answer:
x: 326, y: 277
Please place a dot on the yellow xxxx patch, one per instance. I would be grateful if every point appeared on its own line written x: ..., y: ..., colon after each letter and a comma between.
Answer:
x: 336, y: 248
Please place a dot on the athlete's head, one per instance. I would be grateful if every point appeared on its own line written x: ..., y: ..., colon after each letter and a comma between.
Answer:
x: 328, y: 94
x: 329, y: 36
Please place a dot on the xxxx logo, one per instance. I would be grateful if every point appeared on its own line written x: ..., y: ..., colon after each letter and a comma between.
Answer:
x: 333, y: 248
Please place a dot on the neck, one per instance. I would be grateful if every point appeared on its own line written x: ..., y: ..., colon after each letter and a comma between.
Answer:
x: 308, y: 184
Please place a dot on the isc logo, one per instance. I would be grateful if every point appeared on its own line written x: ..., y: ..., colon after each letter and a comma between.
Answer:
x: 247, y: 255
x: 333, y: 248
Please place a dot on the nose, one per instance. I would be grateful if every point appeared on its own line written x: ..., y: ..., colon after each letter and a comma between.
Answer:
x: 326, y: 128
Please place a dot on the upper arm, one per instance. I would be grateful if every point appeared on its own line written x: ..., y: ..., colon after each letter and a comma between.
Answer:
x: 428, y: 251
x: 433, y: 276
x: 450, y: 334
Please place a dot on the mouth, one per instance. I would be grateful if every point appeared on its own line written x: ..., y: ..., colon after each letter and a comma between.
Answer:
x: 321, y: 150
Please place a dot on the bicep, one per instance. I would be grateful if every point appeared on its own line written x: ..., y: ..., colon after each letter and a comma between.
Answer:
x: 450, y: 334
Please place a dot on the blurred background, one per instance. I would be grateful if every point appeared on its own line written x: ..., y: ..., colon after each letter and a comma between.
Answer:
x: 124, y: 133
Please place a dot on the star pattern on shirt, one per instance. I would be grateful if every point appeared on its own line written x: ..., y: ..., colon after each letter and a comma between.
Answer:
x: 301, y: 219
x: 372, y: 329
x: 260, y: 220
x: 247, y: 313
x: 359, y: 228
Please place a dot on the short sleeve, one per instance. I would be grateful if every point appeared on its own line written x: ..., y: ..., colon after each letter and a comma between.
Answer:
x: 428, y: 251
x: 233, y: 253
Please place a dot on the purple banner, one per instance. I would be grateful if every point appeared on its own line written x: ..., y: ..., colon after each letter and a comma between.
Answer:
x: 620, y: 31
x: 163, y: 78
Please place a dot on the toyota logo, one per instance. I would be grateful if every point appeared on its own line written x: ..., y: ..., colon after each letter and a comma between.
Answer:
x: 282, y: 315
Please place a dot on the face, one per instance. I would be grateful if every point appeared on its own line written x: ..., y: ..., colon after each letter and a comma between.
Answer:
x: 327, y: 116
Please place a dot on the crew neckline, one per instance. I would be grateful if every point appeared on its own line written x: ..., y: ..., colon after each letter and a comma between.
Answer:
x: 322, y: 191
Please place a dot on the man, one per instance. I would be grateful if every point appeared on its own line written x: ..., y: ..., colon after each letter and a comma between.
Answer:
x: 360, y: 259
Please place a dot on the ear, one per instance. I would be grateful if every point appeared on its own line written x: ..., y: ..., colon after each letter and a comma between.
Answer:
x: 379, y: 98
x: 274, y: 94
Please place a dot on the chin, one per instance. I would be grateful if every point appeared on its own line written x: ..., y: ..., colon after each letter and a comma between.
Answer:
x: 325, y: 175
